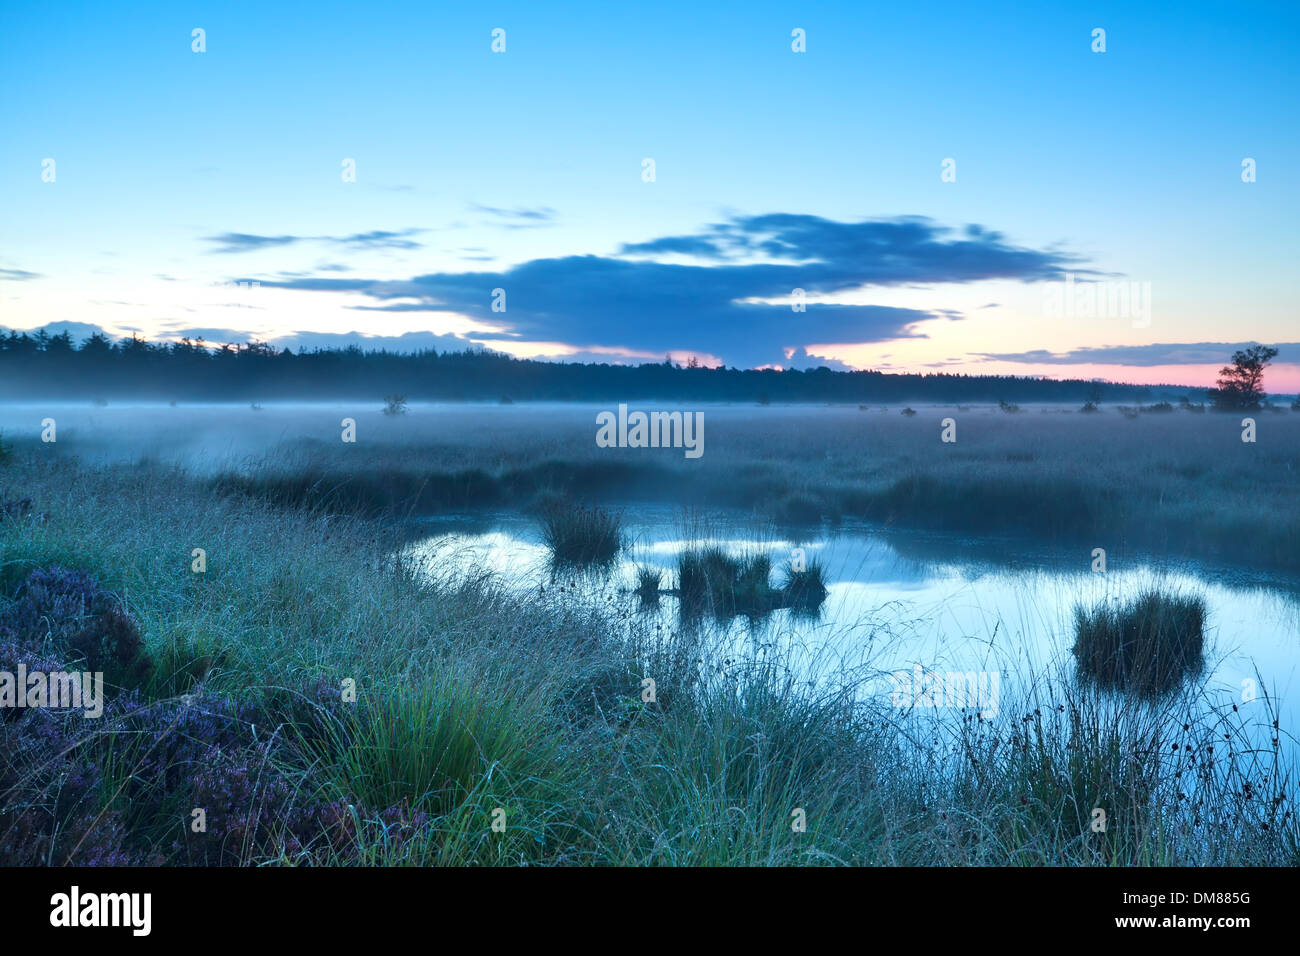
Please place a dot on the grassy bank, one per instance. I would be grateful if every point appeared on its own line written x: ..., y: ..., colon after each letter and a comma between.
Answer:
x: 469, y: 703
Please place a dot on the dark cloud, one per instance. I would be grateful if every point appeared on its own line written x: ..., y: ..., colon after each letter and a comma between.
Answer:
x: 680, y: 245
x: 647, y: 305
x: 1172, y: 353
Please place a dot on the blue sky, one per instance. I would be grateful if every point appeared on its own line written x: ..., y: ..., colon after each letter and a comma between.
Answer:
x: 178, y: 173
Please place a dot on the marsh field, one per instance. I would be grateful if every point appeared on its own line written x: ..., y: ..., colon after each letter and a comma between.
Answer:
x: 472, y: 635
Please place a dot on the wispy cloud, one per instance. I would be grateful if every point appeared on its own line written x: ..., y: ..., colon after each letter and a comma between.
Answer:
x: 18, y: 275
x: 245, y: 242
x: 1169, y: 353
x: 518, y: 218
x: 228, y: 242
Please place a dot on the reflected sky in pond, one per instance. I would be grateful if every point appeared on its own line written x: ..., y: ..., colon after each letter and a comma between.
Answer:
x: 897, y: 600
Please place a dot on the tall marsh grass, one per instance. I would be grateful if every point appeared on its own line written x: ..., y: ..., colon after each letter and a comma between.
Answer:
x: 1149, y: 644
x: 581, y: 534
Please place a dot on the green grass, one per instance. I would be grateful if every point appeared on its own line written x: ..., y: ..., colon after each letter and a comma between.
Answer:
x: 470, y: 701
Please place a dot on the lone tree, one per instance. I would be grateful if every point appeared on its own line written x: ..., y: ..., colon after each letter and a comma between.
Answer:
x: 1241, y: 383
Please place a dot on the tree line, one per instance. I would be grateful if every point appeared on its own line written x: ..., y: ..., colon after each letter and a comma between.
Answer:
x: 44, y: 366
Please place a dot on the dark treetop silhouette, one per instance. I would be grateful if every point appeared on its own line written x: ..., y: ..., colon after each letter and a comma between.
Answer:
x: 44, y: 366
x: 1241, y: 384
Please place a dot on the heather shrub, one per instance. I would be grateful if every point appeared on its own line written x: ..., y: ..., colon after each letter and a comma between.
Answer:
x: 257, y: 811
x: 78, y: 620
x: 254, y: 810
x: 50, y: 812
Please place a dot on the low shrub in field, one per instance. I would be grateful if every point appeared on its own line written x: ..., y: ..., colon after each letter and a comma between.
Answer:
x: 18, y: 508
x: 1147, y: 645
x: 120, y: 789
x: 68, y: 612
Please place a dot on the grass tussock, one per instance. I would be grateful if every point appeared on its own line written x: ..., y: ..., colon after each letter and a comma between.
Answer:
x: 581, y: 534
x: 805, y: 587
x: 1148, y: 645
x: 709, y: 580
x: 648, y: 581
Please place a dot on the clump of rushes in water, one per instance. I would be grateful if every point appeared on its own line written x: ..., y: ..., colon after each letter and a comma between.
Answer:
x: 805, y: 590
x: 710, y: 579
x: 394, y: 404
x: 581, y: 534
x: 647, y: 584
x: 1147, y: 645
x: 706, y: 579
